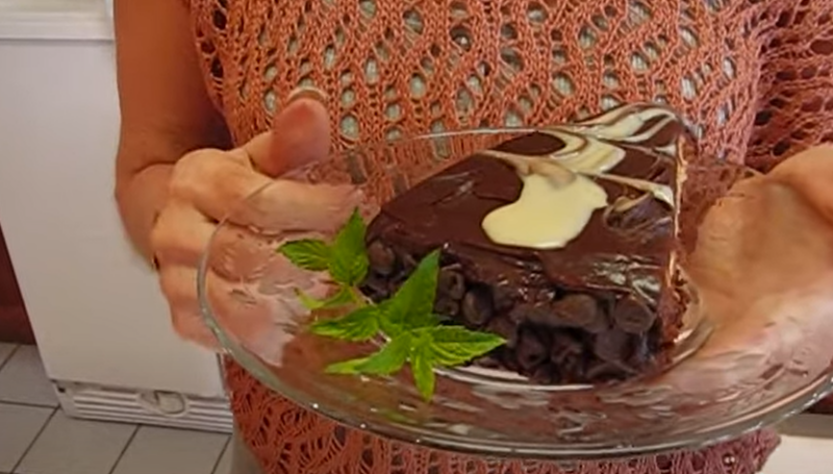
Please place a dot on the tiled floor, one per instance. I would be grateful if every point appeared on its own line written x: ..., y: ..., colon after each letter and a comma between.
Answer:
x: 37, y: 438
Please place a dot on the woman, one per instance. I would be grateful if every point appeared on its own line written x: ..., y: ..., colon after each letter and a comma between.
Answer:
x: 200, y: 83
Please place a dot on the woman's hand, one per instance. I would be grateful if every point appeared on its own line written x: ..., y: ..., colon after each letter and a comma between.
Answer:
x: 811, y: 174
x: 763, y: 269
x: 206, y: 185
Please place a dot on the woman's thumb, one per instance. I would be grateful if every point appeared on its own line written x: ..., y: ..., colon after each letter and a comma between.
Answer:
x: 300, y: 135
x: 810, y: 174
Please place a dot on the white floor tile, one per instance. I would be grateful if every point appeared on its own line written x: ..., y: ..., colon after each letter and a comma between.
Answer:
x: 5, y: 351
x: 801, y: 455
x: 166, y: 450
x: 224, y: 466
x: 19, y: 425
x: 68, y: 446
x: 808, y: 426
x: 23, y: 379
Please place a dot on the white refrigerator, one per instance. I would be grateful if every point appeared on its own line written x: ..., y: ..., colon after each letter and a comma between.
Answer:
x: 99, y: 319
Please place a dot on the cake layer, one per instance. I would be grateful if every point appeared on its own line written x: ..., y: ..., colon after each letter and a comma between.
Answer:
x: 573, y: 269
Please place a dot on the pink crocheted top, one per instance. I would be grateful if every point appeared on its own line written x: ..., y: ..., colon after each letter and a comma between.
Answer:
x: 752, y: 77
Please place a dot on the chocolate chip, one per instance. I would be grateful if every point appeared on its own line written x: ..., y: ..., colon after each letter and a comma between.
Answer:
x: 640, y: 353
x: 503, y: 296
x: 382, y: 259
x: 409, y: 262
x: 487, y: 361
x: 450, y: 282
x: 522, y: 313
x: 575, y: 311
x: 633, y: 316
x: 510, y: 361
x: 407, y: 265
x: 564, y: 347
x: 531, y: 351
x: 543, y: 374
x: 375, y: 288
x: 446, y: 306
x: 604, y: 371
x: 613, y: 346
x: 504, y: 328
x: 477, y: 306
x: 572, y: 370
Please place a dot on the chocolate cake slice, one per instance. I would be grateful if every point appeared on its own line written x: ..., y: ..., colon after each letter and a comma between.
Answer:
x: 562, y: 241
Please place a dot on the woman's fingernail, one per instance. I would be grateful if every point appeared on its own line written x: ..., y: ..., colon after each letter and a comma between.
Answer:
x: 307, y: 92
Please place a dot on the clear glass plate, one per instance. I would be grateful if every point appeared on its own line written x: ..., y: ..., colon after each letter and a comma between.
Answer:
x: 725, y: 381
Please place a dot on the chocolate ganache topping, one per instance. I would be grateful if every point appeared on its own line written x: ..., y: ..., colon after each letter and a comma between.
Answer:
x: 561, y: 177
x: 560, y: 240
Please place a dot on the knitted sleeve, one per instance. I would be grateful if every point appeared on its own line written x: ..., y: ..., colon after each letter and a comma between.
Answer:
x: 795, y: 90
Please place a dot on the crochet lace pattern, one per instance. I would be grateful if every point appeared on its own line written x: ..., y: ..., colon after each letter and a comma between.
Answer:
x: 751, y: 77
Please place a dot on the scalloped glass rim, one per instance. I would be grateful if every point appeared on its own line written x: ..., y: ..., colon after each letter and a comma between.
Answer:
x: 760, y: 416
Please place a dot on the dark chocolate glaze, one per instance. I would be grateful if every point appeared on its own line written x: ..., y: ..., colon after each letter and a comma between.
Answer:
x: 600, y: 292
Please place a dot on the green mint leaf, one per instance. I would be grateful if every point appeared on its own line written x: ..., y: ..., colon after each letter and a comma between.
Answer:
x: 360, y: 325
x: 349, y: 263
x: 347, y: 367
x: 413, y: 304
x: 455, y: 345
x: 422, y: 368
x: 386, y: 323
x: 309, y: 254
x: 393, y: 327
x: 388, y: 359
x: 343, y: 297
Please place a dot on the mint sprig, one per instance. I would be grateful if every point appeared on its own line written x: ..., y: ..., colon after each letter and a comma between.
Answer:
x: 359, y: 325
x: 412, y: 306
x: 387, y: 360
x: 346, y: 261
x: 414, y: 335
x: 308, y: 254
x: 342, y: 297
x: 450, y: 346
x: 422, y: 368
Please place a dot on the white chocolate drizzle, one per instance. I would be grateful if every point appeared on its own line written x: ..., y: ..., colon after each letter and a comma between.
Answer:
x: 520, y: 223
x: 660, y: 192
x: 560, y: 193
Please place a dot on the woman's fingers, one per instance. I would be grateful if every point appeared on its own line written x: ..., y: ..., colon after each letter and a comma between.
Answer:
x: 300, y: 135
x: 763, y: 269
x: 248, y: 287
x: 239, y: 309
x: 178, y: 285
x: 209, y: 186
x: 811, y: 174
x: 247, y: 314
x: 258, y: 316
x: 218, y: 186
x: 294, y: 206
x: 181, y: 235
x: 765, y: 235
x: 214, y: 181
